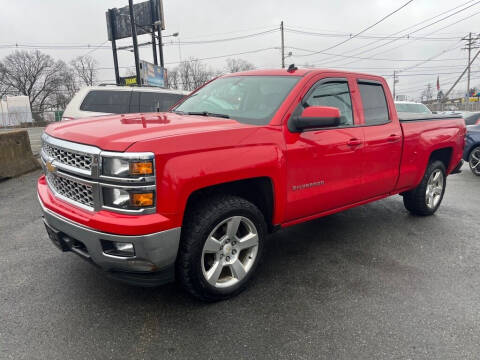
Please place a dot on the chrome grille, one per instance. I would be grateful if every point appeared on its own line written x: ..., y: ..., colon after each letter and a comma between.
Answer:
x: 72, y: 190
x: 80, y: 161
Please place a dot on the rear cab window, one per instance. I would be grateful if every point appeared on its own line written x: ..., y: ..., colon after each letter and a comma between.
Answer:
x: 374, y: 101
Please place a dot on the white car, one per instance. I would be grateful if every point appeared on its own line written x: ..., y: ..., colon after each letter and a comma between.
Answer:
x: 411, y: 107
x: 113, y: 99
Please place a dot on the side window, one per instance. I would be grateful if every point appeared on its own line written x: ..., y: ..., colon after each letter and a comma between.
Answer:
x: 335, y: 94
x: 156, y: 101
x: 374, y: 102
x: 107, y: 101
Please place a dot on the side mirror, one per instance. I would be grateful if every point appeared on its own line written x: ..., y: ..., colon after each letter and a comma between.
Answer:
x: 314, y: 117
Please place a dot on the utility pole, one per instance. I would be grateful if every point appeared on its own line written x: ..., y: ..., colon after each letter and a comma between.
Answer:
x: 394, y: 82
x: 463, y: 73
x: 135, y: 44
x: 283, y: 45
x: 471, y: 44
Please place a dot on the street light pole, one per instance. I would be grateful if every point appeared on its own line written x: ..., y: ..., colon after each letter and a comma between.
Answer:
x: 283, y: 45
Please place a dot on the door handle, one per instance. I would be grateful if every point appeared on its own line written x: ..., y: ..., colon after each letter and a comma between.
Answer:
x: 393, y: 138
x: 354, y: 142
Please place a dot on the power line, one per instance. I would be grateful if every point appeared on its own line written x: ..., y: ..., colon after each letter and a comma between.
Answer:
x: 382, y: 37
x: 248, y: 36
x: 362, y: 31
x: 411, y: 27
x: 369, y: 58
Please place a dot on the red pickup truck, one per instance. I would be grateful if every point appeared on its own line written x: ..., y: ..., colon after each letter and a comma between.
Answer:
x: 192, y: 194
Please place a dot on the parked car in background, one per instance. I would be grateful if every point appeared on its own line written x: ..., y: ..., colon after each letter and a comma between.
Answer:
x: 113, y: 99
x: 471, y: 152
x: 411, y: 107
x: 472, y: 118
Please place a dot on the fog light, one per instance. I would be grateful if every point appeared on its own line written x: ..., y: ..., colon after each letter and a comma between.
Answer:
x: 141, y: 199
x: 120, y: 249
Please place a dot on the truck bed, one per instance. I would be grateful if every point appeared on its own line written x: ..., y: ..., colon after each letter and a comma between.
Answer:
x: 403, y: 116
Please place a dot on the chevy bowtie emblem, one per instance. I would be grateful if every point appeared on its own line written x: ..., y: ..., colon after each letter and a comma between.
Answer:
x: 50, y: 167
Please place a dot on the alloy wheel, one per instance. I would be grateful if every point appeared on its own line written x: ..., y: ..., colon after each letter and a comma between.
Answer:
x: 229, y: 252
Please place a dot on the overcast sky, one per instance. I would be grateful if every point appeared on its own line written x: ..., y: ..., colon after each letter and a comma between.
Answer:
x: 68, y: 22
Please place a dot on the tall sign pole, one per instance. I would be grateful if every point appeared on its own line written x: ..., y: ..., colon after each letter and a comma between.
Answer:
x: 154, y: 42
x: 135, y: 44
x: 160, y: 46
x: 111, y: 18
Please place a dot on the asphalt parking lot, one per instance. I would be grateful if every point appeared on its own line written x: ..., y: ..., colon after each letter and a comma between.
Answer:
x: 370, y: 283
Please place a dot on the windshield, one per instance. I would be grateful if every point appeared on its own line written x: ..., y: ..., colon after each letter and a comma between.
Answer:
x: 413, y: 108
x: 247, y: 99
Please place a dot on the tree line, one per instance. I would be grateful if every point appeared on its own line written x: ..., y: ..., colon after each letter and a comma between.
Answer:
x: 47, y: 82
x: 50, y: 84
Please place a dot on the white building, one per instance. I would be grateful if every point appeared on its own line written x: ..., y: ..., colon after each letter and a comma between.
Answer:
x: 15, y: 110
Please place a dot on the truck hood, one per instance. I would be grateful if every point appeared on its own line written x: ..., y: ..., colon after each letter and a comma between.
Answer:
x: 118, y: 132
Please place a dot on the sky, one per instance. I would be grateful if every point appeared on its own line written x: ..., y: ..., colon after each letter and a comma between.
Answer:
x: 397, y: 43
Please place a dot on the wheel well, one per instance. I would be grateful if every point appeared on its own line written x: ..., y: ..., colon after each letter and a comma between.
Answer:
x: 258, y: 191
x: 444, y: 155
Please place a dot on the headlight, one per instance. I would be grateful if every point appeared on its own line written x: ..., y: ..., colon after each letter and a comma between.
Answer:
x: 128, y: 165
x: 128, y: 199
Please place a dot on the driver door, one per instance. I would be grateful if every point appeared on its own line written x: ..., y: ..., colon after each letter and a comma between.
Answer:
x: 324, y: 166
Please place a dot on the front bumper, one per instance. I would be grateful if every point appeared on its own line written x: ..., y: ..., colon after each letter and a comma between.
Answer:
x: 155, y: 254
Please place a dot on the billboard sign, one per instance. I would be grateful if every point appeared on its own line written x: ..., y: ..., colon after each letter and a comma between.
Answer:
x: 128, y: 80
x: 152, y: 75
x: 145, y: 13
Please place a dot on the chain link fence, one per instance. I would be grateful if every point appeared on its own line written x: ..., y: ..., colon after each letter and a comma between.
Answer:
x: 29, y: 119
x: 456, y: 106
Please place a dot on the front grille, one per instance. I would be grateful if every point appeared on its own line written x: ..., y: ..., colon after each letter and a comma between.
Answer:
x: 66, y: 157
x: 73, y: 190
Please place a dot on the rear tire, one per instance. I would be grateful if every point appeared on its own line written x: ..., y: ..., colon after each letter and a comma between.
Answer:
x: 426, y: 198
x: 221, y: 246
x: 474, y: 161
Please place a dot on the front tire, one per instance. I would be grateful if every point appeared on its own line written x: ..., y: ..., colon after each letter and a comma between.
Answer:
x: 221, y: 246
x: 474, y: 161
x: 426, y: 198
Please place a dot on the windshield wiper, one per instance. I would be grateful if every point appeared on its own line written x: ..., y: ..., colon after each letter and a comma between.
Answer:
x: 206, y: 113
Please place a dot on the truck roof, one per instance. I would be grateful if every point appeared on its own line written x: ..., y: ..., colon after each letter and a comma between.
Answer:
x: 298, y: 72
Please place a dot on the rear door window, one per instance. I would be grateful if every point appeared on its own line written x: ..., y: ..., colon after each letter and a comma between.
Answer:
x: 157, y: 101
x: 107, y: 101
x: 374, y: 102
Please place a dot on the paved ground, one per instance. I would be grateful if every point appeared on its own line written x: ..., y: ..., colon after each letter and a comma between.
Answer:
x: 369, y: 283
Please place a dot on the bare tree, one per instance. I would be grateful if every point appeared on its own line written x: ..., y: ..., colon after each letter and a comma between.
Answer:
x: 4, y: 88
x: 70, y: 86
x: 192, y: 73
x: 236, y: 65
x: 85, y: 68
x: 173, y: 79
x: 35, y: 75
x: 427, y: 93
